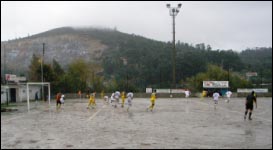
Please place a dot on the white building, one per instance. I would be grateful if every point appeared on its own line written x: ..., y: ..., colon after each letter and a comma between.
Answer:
x: 17, y: 92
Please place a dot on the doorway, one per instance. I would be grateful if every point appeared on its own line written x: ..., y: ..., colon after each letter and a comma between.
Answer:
x: 12, y: 95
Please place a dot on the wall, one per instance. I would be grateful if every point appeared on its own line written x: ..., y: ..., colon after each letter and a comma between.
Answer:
x: 159, y: 95
x: 21, y: 94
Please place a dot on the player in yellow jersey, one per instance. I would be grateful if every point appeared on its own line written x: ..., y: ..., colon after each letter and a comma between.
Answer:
x: 204, y: 94
x: 92, y: 101
x: 102, y: 94
x: 153, y: 98
x: 122, y: 99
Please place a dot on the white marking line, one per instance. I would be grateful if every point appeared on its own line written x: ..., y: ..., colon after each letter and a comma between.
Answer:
x: 16, y: 117
x: 241, y: 113
x: 90, y: 118
x: 12, y: 118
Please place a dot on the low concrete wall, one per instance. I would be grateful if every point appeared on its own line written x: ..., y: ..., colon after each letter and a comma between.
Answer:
x: 161, y: 95
x: 258, y: 94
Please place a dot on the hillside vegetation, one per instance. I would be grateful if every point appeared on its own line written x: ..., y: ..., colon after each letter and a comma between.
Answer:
x: 127, y: 61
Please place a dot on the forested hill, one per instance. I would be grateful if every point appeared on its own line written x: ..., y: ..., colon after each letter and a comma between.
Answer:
x: 257, y: 59
x: 127, y: 56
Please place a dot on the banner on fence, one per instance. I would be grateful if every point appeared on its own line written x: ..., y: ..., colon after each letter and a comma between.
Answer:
x: 250, y: 90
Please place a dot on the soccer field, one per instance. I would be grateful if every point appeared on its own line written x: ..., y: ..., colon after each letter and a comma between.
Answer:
x: 175, y: 123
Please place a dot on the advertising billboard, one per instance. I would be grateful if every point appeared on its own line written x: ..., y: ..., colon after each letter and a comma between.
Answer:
x: 215, y: 84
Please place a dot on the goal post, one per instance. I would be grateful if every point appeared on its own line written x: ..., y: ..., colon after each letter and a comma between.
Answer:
x: 38, y: 83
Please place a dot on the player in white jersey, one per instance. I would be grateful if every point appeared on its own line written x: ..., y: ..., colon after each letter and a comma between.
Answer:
x: 215, y: 96
x: 106, y: 99
x: 130, y: 97
x: 228, y: 93
x: 112, y: 100
x: 62, y: 99
x: 187, y: 93
x: 116, y: 96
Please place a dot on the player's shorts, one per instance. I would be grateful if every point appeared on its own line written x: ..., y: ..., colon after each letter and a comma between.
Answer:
x: 58, y: 102
x: 215, y: 101
x: 129, y: 101
x: 249, y: 106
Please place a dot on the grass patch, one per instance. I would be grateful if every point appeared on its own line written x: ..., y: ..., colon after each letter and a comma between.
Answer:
x: 9, y: 107
x: 4, y: 105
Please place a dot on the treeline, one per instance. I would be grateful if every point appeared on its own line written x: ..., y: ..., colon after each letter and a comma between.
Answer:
x: 258, y: 60
x: 80, y: 75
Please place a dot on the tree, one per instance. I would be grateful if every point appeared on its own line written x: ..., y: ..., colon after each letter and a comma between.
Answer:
x: 57, y: 68
x: 48, y: 73
x: 33, y: 67
x: 216, y: 73
x: 81, y: 75
x: 58, y: 84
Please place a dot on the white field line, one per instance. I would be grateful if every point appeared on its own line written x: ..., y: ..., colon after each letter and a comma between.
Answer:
x: 12, y: 118
x: 94, y: 115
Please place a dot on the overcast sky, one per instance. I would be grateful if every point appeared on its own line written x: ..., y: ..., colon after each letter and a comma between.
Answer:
x: 223, y: 25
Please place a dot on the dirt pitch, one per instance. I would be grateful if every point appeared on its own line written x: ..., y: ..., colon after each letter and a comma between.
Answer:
x: 175, y: 123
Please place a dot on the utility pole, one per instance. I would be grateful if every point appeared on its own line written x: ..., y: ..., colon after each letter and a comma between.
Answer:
x: 4, y: 64
x: 261, y: 84
x: 127, y: 82
x: 228, y: 72
x: 6, y: 90
x: 42, y: 64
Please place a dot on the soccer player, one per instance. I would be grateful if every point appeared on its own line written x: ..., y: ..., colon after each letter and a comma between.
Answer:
x: 92, y: 101
x: 228, y: 93
x: 130, y: 96
x: 204, y: 94
x: 58, y: 100
x: 187, y: 93
x: 106, y: 99
x: 216, y: 96
x: 122, y: 99
x: 62, y: 99
x: 153, y: 98
x: 112, y: 100
x: 102, y: 94
x: 249, y: 104
x: 116, y: 96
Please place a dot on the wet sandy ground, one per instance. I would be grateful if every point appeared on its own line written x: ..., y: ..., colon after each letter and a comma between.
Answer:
x: 175, y: 123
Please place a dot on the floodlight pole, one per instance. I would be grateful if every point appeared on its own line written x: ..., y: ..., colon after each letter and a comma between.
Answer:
x: 173, y: 12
